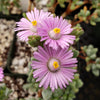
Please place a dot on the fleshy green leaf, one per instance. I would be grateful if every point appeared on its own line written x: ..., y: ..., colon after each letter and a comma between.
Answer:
x: 95, y: 72
x: 46, y: 94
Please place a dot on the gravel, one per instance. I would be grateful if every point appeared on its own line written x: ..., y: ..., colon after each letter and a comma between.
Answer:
x: 6, y: 36
x: 22, y: 58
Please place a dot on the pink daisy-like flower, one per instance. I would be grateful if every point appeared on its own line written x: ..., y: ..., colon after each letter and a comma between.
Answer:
x: 28, y: 27
x: 1, y: 74
x: 53, y: 68
x: 56, y: 32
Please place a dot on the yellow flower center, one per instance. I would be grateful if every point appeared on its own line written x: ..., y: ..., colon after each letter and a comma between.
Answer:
x: 55, y: 64
x: 34, y: 23
x: 56, y: 30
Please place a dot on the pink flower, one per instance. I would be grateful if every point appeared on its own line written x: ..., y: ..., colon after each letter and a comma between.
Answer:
x: 53, y: 68
x: 1, y: 74
x: 56, y: 32
x: 28, y: 27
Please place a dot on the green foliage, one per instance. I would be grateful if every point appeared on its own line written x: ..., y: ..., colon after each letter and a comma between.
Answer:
x: 46, y: 94
x: 75, y: 52
x: 6, y: 5
x: 95, y: 67
x: 76, y: 3
x: 64, y: 94
x: 90, y: 52
x: 31, y: 98
x: 31, y: 84
x: 51, y: 3
x: 93, y: 62
x: 25, y: 16
x: 96, y: 17
x: 4, y: 92
x: 95, y: 3
x: 83, y: 14
x: 61, y: 3
x: 34, y: 41
x: 77, y: 31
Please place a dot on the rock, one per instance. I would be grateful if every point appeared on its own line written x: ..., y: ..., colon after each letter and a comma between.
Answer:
x: 20, y: 81
x: 15, y: 95
x: 6, y: 36
x: 22, y: 61
x: 15, y: 61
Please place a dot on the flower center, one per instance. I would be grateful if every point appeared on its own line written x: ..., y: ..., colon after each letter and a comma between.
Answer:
x: 53, y: 64
x: 54, y: 34
x: 56, y: 30
x: 34, y: 23
x: 33, y: 26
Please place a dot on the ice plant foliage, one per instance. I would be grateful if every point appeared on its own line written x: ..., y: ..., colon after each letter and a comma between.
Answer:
x: 53, y: 68
x: 1, y: 74
x: 28, y: 26
x: 56, y: 32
